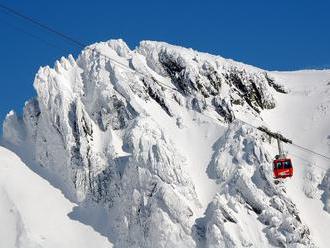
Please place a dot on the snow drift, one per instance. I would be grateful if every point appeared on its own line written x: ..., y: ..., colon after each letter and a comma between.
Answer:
x: 33, y: 214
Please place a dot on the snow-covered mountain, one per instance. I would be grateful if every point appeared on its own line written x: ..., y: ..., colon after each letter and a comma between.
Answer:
x: 150, y: 148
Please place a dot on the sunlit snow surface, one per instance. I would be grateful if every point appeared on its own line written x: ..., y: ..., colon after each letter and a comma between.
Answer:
x: 146, y: 166
x: 304, y: 116
x: 34, y: 214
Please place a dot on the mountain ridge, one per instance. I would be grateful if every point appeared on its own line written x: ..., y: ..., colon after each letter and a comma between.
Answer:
x: 154, y: 158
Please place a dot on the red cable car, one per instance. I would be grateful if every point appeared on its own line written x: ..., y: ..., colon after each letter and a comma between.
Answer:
x: 282, y: 168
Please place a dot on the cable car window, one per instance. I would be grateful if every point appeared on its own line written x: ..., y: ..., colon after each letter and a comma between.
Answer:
x: 287, y: 164
x: 279, y: 165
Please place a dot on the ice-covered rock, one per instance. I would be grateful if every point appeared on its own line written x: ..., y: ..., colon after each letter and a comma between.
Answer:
x: 90, y: 127
x: 242, y: 168
x: 325, y: 187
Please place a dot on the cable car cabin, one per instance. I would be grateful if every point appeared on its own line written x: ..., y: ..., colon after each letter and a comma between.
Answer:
x: 283, y: 168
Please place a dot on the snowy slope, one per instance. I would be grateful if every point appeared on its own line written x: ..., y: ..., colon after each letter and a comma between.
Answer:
x: 35, y: 214
x: 150, y: 146
x: 306, y: 118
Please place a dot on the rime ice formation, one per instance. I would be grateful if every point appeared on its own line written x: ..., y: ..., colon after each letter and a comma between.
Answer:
x: 152, y: 139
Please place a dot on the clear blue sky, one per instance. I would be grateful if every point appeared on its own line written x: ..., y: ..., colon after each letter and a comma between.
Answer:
x: 275, y: 35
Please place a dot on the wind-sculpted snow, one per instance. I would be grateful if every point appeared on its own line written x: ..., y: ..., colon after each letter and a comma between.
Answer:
x: 108, y: 133
x: 241, y: 167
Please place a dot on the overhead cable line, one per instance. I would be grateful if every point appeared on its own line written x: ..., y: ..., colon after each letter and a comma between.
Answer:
x: 41, y: 25
x: 19, y: 29
x: 76, y: 42
x: 311, y: 151
x: 291, y: 143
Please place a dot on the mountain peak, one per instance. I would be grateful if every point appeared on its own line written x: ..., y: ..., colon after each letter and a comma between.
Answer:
x: 154, y: 137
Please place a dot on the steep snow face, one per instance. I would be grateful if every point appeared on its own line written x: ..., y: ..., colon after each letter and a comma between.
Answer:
x: 33, y: 214
x: 150, y: 135
x: 304, y: 116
